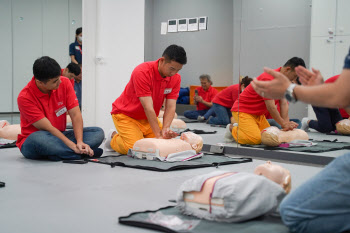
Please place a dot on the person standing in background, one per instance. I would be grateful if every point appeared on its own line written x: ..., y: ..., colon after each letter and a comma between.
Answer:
x: 76, y: 48
x: 77, y: 86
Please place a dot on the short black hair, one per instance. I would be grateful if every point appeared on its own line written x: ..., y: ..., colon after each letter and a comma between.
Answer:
x: 78, y: 31
x: 295, y: 62
x: 175, y: 53
x: 246, y: 81
x: 74, y: 68
x: 46, y: 68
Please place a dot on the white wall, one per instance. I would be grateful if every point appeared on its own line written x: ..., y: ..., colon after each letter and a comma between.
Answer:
x: 208, y: 51
x: 29, y: 30
x: 268, y: 33
x: 113, y: 31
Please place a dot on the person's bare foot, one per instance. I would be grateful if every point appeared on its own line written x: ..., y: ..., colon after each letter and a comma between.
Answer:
x: 114, y: 133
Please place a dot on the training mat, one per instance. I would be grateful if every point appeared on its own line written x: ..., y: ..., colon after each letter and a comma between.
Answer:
x: 148, y: 219
x: 5, y: 143
x: 199, y: 131
x: 208, y: 160
x: 321, y: 146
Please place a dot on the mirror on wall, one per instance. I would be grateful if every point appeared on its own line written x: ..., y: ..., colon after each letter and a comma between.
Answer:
x: 241, y: 38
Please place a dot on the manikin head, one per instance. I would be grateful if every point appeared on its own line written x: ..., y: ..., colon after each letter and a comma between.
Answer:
x: 275, y: 173
x: 194, y: 140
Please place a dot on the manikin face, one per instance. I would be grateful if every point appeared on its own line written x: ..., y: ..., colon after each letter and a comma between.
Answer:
x: 275, y: 173
x: 194, y: 140
x: 168, y: 69
x: 50, y: 85
x: 205, y: 84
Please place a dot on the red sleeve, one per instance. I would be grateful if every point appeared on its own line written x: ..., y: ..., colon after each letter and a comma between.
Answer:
x: 235, y: 93
x: 332, y: 79
x: 265, y: 77
x: 213, y: 93
x: 141, y: 83
x: 72, y: 100
x: 174, y: 94
x: 29, y: 110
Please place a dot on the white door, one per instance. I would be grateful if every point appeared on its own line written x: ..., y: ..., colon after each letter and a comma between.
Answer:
x: 27, y: 42
x: 323, y: 15
x: 55, y: 31
x: 341, y: 50
x: 322, y: 55
x: 343, y: 18
x: 5, y: 56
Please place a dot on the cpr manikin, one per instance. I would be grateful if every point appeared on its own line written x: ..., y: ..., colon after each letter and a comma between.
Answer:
x: 273, y: 136
x: 235, y: 196
x: 8, y: 131
x: 176, y: 125
x: 188, y: 145
x: 343, y: 126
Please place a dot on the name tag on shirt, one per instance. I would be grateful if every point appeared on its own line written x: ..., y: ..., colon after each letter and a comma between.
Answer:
x: 77, y: 48
x: 61, y: 111
x: 167, y: 91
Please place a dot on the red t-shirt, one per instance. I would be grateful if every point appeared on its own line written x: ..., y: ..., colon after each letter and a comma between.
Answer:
x: 34, y: 105
x: 146, y: 81
x: 268, y: 115
x: 207, y: 96
x: 71, y: 80
x: 227, y: 96
x: 249, y: 101
x: 343, y: 113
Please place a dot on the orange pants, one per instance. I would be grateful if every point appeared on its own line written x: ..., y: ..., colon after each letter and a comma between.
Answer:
x: 129, y: 131
x: 249, y: 128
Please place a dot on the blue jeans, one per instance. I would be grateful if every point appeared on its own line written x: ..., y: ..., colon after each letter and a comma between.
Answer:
x: 272, y: 122
x: 193, y: 114
x: 321, y: 204
x: 223, y: 115
x: 43, y: 145
x: 326, y: 119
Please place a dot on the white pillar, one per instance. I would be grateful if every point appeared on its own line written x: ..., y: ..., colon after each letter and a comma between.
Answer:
x: 113, y: 38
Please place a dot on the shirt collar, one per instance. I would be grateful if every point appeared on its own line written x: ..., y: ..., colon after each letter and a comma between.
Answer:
x: 36, y: 90
x: 157, y: 74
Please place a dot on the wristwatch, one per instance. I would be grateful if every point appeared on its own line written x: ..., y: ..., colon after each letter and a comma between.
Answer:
x: 289, y: 93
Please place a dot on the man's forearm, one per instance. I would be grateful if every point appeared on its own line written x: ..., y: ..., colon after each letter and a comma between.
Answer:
x: 331, y: 95
x: 77, y: 123
x: 152, y: 120
x: 208, y: 104
x: 284, y: 109
x: 168, y: 117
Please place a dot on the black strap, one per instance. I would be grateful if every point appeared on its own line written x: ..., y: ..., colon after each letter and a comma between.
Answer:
x: 199, y: 131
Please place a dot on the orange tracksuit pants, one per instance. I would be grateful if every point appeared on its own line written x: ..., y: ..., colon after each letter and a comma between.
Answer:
x: 249, y: 128
x: 129, y: 131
